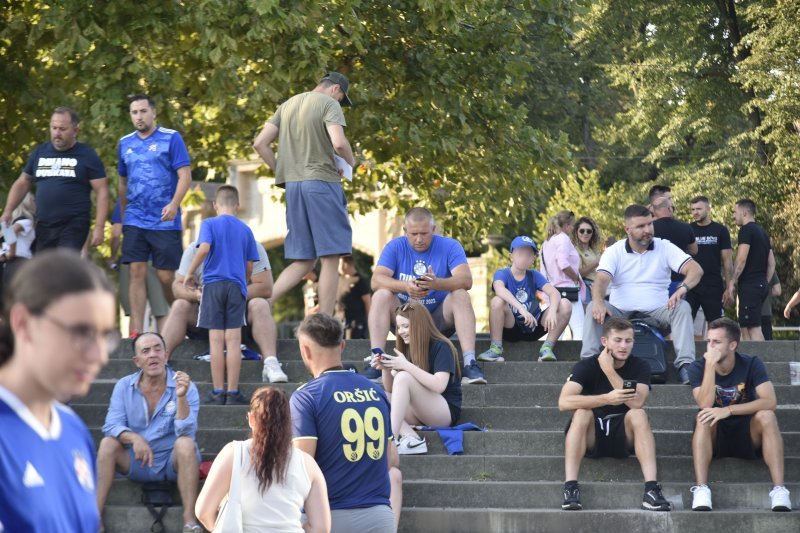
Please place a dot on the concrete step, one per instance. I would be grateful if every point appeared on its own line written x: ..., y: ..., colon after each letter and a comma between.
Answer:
x: 509, y: 372
x: 482, y: 520
x: 504, y: 418
x: 594, y: 495
x: 775, y: 351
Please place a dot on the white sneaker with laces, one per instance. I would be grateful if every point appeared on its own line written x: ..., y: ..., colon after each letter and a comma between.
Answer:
x: 702, y: 498
x: 411, y: 445
x: 272, y: 371
x: 779, y: 497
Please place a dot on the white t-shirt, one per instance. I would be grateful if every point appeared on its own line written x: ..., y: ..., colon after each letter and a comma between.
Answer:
x: 24, y: 238
x: 640, y: 281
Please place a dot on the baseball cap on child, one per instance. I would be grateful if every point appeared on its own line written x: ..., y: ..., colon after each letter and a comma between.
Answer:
x: 523, y: 240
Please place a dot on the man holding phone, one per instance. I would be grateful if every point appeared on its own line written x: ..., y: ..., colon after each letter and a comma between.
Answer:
x: 607, y: 393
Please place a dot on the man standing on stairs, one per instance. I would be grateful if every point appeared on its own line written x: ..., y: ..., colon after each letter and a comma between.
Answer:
x: 607, y: 393
x: 150, y: 428
x: 737, y: 413
x: 638, y: 271
x: 432, y: 270
x: 342, y: 420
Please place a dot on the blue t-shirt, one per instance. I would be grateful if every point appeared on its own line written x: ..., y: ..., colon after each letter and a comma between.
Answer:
x: 151, y: 166
x: 737, y: 387
x: 63, y: 181
x: 348, y: 416
x: 116, y: 214
x: 524, y: 291
x: 232, y: 245
x: 47, y: 475
x: 443, y: 255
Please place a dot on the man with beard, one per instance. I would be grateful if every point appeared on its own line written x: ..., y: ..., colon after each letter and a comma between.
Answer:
x: 638, y: 271
x: 607, y: 393
x: 715, y: 256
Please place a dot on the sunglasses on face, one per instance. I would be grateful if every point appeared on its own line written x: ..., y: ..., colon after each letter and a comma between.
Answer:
x: 585, y: 231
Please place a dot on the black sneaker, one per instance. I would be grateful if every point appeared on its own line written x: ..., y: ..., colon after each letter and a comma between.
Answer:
x: 215, y: 399
x: 572, y: 498
x: 236, y: 398
x: 653, y: 500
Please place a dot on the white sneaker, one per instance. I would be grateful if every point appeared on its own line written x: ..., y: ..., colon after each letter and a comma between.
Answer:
x: 272, y: 371
x: 780, y: 499
x: 702, y: 498
x: 411, y: 445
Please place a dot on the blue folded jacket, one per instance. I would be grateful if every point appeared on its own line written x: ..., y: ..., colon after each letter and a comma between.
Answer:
x: 453, y: 437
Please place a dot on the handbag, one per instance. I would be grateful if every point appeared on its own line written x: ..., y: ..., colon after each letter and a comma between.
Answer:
x: 229, y: 518
x: 570, y: 293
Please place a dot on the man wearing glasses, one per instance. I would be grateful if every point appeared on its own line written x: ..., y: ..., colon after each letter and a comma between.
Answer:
x: 150, y: 428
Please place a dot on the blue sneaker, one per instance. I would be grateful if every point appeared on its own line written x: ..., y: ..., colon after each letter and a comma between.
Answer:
x: 373, y: 374
x: 472, y: 375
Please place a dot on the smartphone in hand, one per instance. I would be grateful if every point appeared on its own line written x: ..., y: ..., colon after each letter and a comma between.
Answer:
x: 629, y: 384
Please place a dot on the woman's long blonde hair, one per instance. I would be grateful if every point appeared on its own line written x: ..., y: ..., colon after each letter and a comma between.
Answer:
x: 556, y: 223
x: 423, y: 331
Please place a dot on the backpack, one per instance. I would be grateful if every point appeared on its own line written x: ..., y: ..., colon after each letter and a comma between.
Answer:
x: 157, y: 494
x: 649, y: 345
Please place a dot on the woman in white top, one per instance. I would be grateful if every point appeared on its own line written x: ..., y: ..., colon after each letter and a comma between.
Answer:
x: 561, y: 264
x: 13, y: 255
x: 276, y: 479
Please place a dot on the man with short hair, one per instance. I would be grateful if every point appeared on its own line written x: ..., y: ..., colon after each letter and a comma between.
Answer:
x: 609, y: 419
x: 342, y: 420
x: 154, y: 175
x: 638, y: 270
x: 65, y: 172
x: 659, y: 191
x: 665, y: 226
x: 433, y: 270
x: 714, y: 255
x: 737, y: 413
x: 309, y: 128
x: 753, y: 268
x: 150, y: 427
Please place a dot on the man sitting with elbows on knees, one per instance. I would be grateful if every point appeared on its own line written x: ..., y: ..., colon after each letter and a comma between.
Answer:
x: 607, y: 393
x: 737, y: 413
x: 150, y: 428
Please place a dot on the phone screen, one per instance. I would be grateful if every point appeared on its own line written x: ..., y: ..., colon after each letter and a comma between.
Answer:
x: 629, y: 384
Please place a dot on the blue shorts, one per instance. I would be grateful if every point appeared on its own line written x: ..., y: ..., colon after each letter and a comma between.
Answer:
x: 317, y: 220
x: 163, y: 468
x: 139, y: 245
x: 222, y: 306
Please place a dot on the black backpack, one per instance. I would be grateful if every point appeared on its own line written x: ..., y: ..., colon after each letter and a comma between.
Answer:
x: 157, y: 494
x: 649, y: 345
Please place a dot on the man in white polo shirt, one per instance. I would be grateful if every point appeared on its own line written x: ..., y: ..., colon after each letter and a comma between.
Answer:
x: 638, y: 271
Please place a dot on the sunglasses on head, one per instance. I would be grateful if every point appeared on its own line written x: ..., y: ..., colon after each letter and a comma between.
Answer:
x: 405, y: 307
x: 586, y: 231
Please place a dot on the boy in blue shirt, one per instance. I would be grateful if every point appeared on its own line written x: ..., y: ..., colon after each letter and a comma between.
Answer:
x: 227, y: 249
x: 514, y: 312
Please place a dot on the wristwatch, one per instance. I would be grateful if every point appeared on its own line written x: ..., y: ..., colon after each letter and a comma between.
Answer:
x: 685, y: 286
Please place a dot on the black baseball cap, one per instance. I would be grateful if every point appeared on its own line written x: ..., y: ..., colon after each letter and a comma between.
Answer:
x: 340, y: 80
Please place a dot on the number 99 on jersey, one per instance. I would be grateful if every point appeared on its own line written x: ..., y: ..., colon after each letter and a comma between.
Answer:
x: 363, y: 434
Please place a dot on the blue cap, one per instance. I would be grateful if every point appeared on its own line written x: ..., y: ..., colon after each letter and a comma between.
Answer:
x: 523, y: 240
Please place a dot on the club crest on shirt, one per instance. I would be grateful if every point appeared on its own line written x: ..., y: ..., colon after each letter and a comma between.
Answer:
x: 521, y: 296
x: 153, y: 147
x: 419, y: 267
x: 83, y: 471
x: 170, y: 408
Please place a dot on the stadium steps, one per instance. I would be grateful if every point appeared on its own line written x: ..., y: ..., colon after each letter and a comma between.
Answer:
x: 510, y: 477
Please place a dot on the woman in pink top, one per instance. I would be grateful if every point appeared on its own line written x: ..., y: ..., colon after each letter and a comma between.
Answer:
x: 561, y: 264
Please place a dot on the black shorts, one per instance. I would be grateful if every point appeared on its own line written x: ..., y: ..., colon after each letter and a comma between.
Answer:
x: 733, y: 438
x: 707, y: 298
x: 455, y: 413
x: 609, y: 437
x: 517, y: 333
x: 140, y: 245
x: 751, y: 298
x: 70, y: 233
x: 222, y: 306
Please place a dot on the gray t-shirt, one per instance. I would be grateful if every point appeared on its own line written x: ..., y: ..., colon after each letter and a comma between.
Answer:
x: 188, y: 256
x: 305, y: 151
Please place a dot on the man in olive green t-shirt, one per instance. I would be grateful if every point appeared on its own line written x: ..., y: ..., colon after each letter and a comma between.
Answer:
x: 309, y: 128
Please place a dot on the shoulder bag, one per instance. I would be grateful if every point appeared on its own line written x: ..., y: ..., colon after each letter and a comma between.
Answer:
x: 229, y: 519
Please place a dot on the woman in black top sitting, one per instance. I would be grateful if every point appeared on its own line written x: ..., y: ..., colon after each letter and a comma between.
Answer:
x: 422, y: 378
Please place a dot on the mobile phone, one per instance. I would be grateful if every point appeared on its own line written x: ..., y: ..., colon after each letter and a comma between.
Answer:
x: 629, y: 384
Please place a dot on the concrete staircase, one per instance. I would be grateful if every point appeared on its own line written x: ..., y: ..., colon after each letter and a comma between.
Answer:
x: 510, y: 478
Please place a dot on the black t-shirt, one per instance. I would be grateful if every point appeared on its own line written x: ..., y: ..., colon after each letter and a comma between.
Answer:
x: 440, y: 359
x: 591, y: 377
x: 678, y: 233
x: 349, y: 299
x: 62, y: 181
x: 737, y: 387
x: 755, y: 268
x: 711, y: 240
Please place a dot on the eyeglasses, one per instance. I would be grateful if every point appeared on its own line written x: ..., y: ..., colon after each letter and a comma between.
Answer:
x: 83, y: 336
x: 584, y: 231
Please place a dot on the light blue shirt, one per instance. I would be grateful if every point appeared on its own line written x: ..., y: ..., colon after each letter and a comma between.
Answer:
x: 128, y: 412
